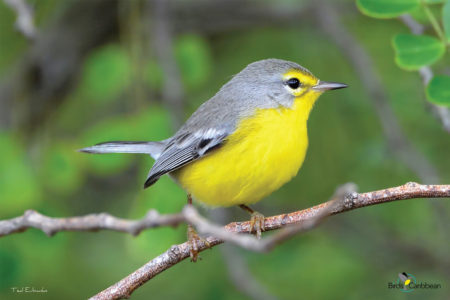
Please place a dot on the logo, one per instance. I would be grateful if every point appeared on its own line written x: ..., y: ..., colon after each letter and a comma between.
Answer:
x: 407, y: 283
x: 406, y: 279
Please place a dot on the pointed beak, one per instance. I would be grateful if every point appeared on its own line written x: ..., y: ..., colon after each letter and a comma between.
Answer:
x: 325, y: 86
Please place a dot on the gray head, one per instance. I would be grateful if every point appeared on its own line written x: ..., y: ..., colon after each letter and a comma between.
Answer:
x: 273, y: 82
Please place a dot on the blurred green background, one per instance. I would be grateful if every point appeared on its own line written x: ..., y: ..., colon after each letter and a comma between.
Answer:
x: 103, y: 70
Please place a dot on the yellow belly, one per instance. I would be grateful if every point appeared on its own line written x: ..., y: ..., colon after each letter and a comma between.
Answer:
x: 264, y: 153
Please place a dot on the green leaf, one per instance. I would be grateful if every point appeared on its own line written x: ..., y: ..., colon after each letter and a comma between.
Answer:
x: 438, y: 90
x: 434, y: 1
x: 446, y: 19
x: 415, y: 51
x: 386, y: 8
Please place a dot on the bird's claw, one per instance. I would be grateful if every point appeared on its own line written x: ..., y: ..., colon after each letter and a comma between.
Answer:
x: 257, y: 224
x: 194, y: 241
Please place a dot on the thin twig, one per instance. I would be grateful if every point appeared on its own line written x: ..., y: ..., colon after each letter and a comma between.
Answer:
x: 92, y: 222
x: 177, y: 253
x: 24, y: 21
x: 415, y: 27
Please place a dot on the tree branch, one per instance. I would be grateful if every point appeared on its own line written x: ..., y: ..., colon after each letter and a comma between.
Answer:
x: 92, y: 222
x: 204, y: 226
x: 292, y: 223
x: 177, y: 253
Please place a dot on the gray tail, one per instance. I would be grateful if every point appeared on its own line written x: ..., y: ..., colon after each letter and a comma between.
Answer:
x: 152, y: 148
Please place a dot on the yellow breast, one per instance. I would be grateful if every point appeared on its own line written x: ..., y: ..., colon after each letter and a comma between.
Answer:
x: 265, y: 152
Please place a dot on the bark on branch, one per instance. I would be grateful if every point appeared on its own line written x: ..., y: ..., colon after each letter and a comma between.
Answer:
x: 92, y: 222
x: 177, y: 253
x: 291, y: 224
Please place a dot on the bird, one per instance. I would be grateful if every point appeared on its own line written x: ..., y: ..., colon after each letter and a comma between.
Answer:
x: 242, y: 144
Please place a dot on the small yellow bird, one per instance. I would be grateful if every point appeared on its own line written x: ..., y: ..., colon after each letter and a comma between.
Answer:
x: 243, y: 143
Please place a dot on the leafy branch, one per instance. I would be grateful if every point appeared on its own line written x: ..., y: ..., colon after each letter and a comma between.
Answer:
x: 416, y: 51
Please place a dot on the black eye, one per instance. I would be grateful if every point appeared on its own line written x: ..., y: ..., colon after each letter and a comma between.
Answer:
x: 293, y: 83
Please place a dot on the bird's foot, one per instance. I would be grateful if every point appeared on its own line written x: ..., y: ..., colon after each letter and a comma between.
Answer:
x: 257, y: 223
x: 194, y: 241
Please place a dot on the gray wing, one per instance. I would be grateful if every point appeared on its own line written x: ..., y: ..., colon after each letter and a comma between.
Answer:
x: 205, y: 130
x: 183, y: 149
